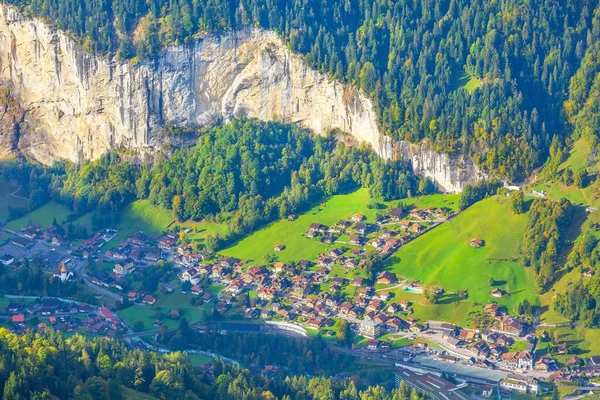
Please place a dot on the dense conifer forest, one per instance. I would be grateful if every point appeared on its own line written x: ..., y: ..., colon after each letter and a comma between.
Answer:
x: 46, y: 365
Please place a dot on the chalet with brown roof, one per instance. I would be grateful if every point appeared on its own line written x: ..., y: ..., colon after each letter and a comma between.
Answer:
x: 589, y: 273
x: 358, y: 281
x: 148, y: 300
x: 415, y: 228
x: 317, y: 228
x: 374, y: 305
x: 355, y: 239
x: 396, y: 214
x: 544, y: 364
x: 497, y: 293
x: 351, y: 263
x: 511, y: 326
x: 384, y: 296
x: 396, y: 324
x: 386, y: 278
x: 491, y: 309
x: 138, y: 238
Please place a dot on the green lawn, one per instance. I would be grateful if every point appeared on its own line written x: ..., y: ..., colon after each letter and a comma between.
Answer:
x: 165, y: 303
x: 131, y: 394
x: 141, y: 216
x: 199, y: 230
x: 198, y: 359
x: 437, y: 200
x: 443, y: 257
x: 43, y: 216
x: 292, y: 233
x: 461, y: 79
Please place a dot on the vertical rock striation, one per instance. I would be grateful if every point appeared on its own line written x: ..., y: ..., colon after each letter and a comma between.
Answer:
x: 78, y: 106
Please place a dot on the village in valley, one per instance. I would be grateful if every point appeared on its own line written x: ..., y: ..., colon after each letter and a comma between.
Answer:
x: 342, y: 294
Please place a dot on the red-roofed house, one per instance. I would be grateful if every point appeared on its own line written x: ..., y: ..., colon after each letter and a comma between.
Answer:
x: 19, y: 318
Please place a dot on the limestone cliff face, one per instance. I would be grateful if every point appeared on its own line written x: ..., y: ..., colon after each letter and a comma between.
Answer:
x: 450, y: 174
x: 78, y: 106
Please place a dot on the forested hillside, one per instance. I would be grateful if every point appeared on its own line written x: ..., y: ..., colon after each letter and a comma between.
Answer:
x: 46, y: 365
x: 252, y: 171
x: 482, y: 78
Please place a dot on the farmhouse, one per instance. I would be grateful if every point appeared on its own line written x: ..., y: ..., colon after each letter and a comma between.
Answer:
x: 279, y: 247
x: 386, y: 278
x: 354, y: 239
x: 476, y: 242
x: 361, y: 228
x: 497, y: 293
x: 358, y: 217
x: 148, y: 300
x: 396, y: 214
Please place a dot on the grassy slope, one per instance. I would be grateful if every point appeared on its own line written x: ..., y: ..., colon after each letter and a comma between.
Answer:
x: 291, y: 233
x: 443, y: 257
x: 6, y: 199
x: 152, y: 220
x: 42, y: 216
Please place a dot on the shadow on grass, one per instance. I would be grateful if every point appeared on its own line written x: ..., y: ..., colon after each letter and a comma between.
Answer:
x: 449, y: 299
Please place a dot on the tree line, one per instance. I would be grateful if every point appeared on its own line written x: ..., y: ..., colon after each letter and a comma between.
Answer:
x: 45, y: 365
x: 246, y: 172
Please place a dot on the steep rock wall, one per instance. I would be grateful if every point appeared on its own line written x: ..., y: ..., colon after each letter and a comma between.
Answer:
x: 78, y: 106
x: 450, y: 174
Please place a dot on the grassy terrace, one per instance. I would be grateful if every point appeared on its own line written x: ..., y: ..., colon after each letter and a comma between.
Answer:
x: 291, y: 233
x: 443, y: 257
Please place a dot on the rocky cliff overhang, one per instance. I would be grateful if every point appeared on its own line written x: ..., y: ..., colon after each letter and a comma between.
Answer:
x: 78, y: 106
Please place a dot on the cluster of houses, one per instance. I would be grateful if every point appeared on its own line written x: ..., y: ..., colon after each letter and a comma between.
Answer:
x: 34, y: 231
x: 62, y: 316
x: 394, y: 229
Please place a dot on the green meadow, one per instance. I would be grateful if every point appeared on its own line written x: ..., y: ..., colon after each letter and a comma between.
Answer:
x: 444, y: 258
x: 292, y: 233
x: 43, y: 216
x: 6, y: 199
